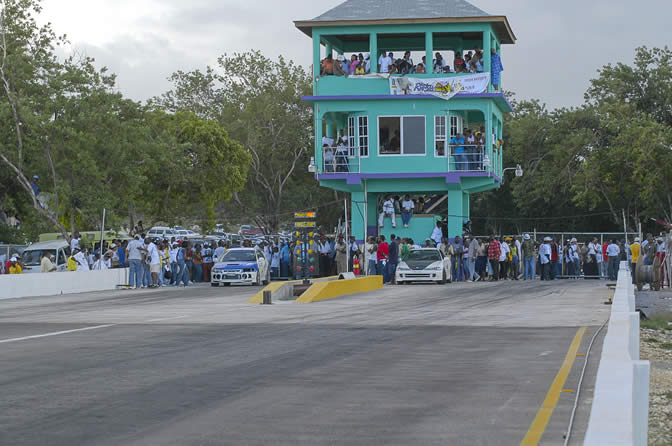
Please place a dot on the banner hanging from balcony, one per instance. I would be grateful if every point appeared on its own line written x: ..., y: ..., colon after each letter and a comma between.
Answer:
x: 441, y: 87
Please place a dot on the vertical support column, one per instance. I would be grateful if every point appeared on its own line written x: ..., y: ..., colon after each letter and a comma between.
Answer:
x: 488, y: 136
x: 455, y: 212
x: 488, y: 57
x: 501, y: 149
x: 318, y: 139
x: 429, y: 51
x: 373, y: 50
x: 317, y: 58
x: 465, y: 206
x: 358, y: 215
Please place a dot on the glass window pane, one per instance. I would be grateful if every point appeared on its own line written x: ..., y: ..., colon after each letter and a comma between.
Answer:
x: 389, y: 135
x: 414, y: 135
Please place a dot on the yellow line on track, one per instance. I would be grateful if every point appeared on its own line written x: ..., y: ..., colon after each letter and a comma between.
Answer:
x: 540, y: 422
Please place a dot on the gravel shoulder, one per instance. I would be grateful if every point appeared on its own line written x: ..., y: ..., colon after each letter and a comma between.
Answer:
x: 656, y: 346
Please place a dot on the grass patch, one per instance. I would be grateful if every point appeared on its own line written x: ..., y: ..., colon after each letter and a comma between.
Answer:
x: 668, y: 395
x: 658, y: 321
x: 651, y: 340
x: 666, y: 346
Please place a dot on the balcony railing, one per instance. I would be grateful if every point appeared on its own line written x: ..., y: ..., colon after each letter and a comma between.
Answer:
x: 341, y: 159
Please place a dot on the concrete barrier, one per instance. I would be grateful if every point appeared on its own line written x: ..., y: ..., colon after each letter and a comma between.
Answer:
x: 284, y: 290
x: 50, y: 284
x: 337, y: 288
x: 620, y: 411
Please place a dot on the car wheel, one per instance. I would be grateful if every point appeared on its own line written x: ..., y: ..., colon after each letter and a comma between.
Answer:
x: 214, y: 284
x: 443, y: 278
x: 227, y: 283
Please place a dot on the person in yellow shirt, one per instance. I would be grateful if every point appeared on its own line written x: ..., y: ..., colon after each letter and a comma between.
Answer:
x: 635, y: 250
x: 72, y: 264
x: 15, y: 267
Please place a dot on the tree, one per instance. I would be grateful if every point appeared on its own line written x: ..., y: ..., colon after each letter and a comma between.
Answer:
x: 258, y: 101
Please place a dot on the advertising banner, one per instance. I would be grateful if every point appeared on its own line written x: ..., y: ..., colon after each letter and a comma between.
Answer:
x: 441, y: 87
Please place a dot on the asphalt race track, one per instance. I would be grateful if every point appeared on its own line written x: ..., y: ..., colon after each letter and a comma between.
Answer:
x: 461, y: 364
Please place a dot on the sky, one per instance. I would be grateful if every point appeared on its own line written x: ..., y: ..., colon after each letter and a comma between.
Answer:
x: 561, y: 43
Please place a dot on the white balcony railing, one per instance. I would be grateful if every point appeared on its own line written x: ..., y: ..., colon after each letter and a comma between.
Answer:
x: 341, y: 159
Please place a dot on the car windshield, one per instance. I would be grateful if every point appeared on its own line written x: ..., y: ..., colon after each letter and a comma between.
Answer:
x: 432, y: 256
x: 32, y: 258
x: 239, y: 256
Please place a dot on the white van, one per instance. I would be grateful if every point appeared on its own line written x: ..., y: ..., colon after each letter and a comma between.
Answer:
x: 32, y: 255
x: 161, y: 232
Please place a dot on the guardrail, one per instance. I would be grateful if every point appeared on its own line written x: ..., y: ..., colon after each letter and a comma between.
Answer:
x: 620, y: 411
x: 340, y: 159
x: 51, y: 284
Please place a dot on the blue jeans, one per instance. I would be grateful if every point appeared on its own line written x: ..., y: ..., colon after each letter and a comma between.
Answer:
x: 372, y: 268
x: 275, y: 271
x: 461, y: 161
x: 390, y: 270
x: 380, y: 269
x: 135, y: 274
x: 406, y: 217
x: 182, y: 273
x: 472, y: 269
x: 529, y: 268
x: 197, y: 273
x: 146, y: 276
x: 284, y: 269
x: 173, y: 273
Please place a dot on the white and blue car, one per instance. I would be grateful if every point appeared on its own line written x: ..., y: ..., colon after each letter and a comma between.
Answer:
x: 424, y: 265
x: 241, y: 265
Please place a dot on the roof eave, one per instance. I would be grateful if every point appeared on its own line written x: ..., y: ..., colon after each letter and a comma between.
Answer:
x: 507, y: 36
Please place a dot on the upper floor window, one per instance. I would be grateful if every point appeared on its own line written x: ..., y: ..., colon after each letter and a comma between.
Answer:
x: 352, y: 139
x: 401, y: 135
x: 363, y: 135
x: 440, y: 135
x: 455, y: 125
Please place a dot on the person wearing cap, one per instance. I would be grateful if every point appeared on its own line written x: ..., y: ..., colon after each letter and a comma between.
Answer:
x: 529, y: 257
x: 634, y: 254
x: 99, y: 263
x: 545, y: 258
x: 14, y: 266
x: 34, y: 185
x: 46, y: 264
x: 590, y: 267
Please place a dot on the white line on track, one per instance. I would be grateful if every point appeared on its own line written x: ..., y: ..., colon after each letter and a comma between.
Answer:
x: 55, y: 333
x: 166, y: 319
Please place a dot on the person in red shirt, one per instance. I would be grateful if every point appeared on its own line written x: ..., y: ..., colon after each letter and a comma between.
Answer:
x: 381, y: 255
x: 556, y: 269
x: 605, y: 260
x: 494, y: 251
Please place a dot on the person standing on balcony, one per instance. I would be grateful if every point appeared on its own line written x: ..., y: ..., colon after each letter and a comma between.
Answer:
x: 407, y: 207
x: 384, y: 62
x: 439, y: 63
x: 328, y: 158
x: 388, y: 211
x: 421, y: 68
x: 342, y: 153
x: 354, y: 61
x: 471, y: 150
x: 406, y: 66
x: 460, y: 65
x: 458, y: 152
x: 340, y: 66
x: 327, y: 66
x: 496, y: 68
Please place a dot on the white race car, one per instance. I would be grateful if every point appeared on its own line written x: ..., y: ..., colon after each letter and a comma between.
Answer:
x: 241, y: 265
x: 424, y: 265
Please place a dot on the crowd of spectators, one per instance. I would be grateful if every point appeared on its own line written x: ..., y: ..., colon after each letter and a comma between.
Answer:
x: 360, y: 64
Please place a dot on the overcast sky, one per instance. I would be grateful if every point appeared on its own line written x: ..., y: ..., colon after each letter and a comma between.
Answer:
x: 561, y: 43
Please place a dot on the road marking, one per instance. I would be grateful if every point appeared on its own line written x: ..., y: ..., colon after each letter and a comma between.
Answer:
x: 55, y: 333
x: 166, y: 319
x: 546, y: 410
x: 547, y: 352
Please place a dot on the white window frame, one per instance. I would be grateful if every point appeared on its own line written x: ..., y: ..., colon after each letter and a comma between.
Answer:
x: 457, y: 123
x: 437, y: 135
x: 401, y: 135
x: 352, y: 138
x: 363, y: 139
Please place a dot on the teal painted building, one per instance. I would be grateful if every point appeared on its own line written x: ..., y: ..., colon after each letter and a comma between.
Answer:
x: 399, y: 127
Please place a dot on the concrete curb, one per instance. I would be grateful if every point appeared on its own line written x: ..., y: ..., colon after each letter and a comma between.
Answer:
x: 337, y: 288
x: 620, y: 411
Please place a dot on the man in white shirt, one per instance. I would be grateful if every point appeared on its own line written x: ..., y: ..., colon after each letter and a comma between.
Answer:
x: 371, y: 256
x: 388, y: 211
x: 407, y: 206
x: 74, y: 243
x: 219, y: 252
x: 591, y: 268
x: 614, y: 254
x: 573, y: 260
x: 134, y: 252
x: 384, y: 63
x: 437, y: 234
x: 99, y: 263
x: 504, y: 259
x: 80, y: 258
x: 545, y: 259
x: 154, y: 261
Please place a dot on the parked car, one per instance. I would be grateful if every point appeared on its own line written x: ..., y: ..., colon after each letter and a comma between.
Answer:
x: 424, y: 265
x: 249, y: 231
x: 32, y: 255
x: 241, y: 265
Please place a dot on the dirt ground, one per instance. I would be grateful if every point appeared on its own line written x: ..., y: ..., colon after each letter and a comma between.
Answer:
x: 656, y: 346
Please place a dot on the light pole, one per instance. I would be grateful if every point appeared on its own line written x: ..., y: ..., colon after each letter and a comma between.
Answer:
x: 518, y: 169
